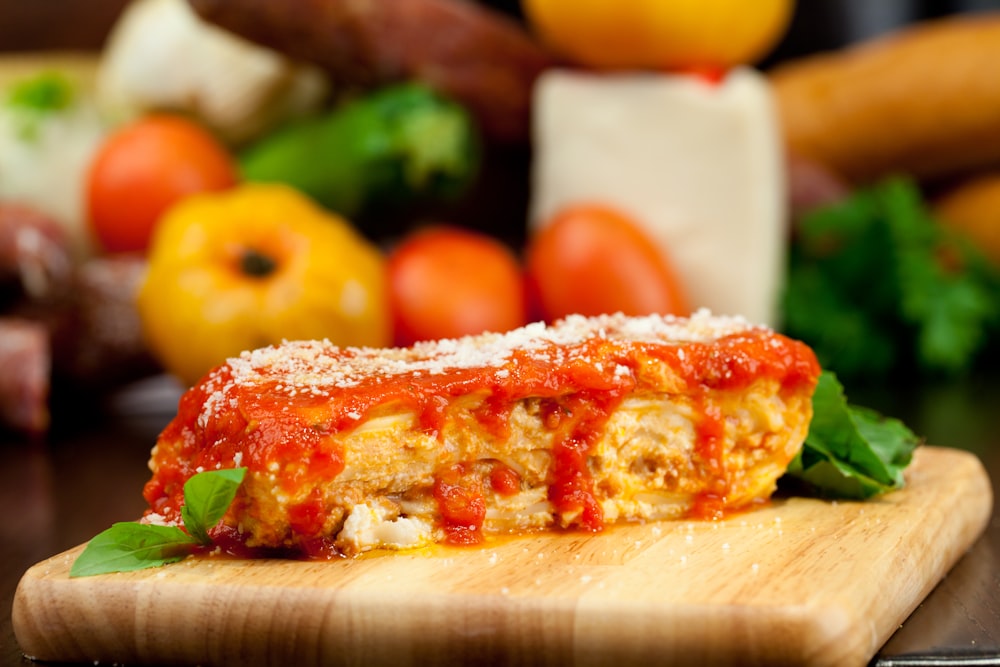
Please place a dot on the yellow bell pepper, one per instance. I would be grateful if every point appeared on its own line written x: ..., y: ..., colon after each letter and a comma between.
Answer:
x: 249, y: 267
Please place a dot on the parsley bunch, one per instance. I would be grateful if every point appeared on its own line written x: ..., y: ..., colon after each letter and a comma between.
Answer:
x: 878, y: 287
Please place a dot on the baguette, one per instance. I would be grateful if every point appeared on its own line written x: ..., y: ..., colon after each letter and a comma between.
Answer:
x: 923, y: 101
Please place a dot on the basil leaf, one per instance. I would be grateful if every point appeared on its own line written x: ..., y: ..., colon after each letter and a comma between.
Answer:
x: 207, y: 496
x: 131, y: 546
x: 851, y: 451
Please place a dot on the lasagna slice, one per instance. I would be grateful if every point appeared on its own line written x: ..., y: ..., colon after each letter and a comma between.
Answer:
x: 576, y: 425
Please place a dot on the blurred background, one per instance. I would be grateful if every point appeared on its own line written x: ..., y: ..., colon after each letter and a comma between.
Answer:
x: 817, y: 25
x: 497, y: 199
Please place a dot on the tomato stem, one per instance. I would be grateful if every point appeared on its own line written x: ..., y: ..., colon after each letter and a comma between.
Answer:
x: 257, y: 264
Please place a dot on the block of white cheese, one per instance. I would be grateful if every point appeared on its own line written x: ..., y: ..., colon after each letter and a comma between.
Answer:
x: 161, y: 55
x: 699, y: 165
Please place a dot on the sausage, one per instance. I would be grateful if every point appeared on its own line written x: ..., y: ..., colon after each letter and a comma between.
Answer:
x: 62, y: 322
x: 922, y: 101
x: 96, y: 337
x: 35, y: 253
x: 475, y: 55
x: 82, y: 313
x: 107, y: 346
x: 24, y: 382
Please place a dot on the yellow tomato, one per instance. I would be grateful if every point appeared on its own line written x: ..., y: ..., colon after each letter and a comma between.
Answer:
x: 254, y: 265
x: 660, y: 34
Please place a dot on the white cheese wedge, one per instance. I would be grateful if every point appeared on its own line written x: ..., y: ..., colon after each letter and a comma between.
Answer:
x: 700, y: 166
x: 161, y: 55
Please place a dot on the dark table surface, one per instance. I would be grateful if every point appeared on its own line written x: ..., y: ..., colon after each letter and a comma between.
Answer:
x: 58, y: 492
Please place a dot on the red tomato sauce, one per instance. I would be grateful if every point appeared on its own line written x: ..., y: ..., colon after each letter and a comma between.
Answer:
x: 461, y: 504
x: 504, y: 480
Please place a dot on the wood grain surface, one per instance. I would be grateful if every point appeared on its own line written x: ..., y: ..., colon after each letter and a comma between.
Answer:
x: 798, y: 582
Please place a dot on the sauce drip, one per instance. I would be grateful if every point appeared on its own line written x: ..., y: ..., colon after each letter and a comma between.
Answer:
x: 578, y: 421
x: 461, y: 504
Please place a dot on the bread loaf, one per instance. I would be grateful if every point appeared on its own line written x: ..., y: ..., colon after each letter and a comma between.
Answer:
x: 923, y: 101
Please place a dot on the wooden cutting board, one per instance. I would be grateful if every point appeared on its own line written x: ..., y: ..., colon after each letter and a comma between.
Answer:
x: 798, y: 582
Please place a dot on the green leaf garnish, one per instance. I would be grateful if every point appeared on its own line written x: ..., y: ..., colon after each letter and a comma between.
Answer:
x: 207, y: 496
x: 129, y: 546
x: 851, y: 451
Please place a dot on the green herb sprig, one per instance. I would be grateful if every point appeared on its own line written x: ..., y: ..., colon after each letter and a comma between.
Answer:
x: 128, y: 546
x: 850, y: 452
x: 878, y: 287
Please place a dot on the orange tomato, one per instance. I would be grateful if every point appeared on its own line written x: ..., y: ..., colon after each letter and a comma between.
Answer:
x: 591, y: 259
x: 660, y: 34
x: 446, y: 282
x: 143, y: 169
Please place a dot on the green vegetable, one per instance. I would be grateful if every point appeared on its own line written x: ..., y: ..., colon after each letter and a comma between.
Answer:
x: 35, y: 99
x: 850, y: 451
x: 44, y: 92
x: 877, y: 286
x: 128, y: 546
x: 389, y: 148
x: 206, y: 498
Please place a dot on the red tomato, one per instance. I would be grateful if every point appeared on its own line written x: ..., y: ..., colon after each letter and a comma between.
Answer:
x: 144, y: 168
x: 446, y: 282
x: 592, y: 259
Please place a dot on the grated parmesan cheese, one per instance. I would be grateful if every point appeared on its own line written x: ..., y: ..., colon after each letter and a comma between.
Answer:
x: 319, y: 368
